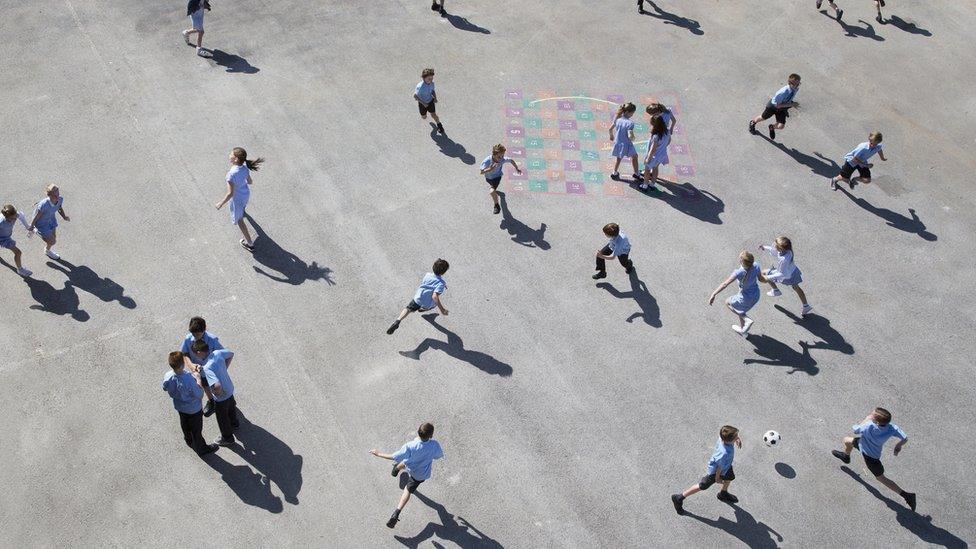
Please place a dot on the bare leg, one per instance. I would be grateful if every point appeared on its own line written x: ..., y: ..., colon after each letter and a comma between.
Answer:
x: 403, y: 314
x: 434, y: 116
x: 17, y: 253
x: 848, y: 445
x: 771, y: 284
x: 247, y: 234
x: 404, y: 498
x: 889, y: 483
x: 742, y: 317
x: 616, y: 165
x: 800, y: 294
x: 51, y: 240
x: 633, y: 160
x: 690, y: 491
x: 494, y: 196
x: 199, y: 38
x: 725, y: 485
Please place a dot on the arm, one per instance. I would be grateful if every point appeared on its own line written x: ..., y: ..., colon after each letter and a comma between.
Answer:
x: 379, y: 454
x: 216, y: 389
x: 440, y: 306
x: 37, y: 217
x: 674, y: 120
x: 433, y: 97
x: 491, y: 166
x: 512, y: 160
x: 249, y: 180
x: 190, y: 366
x: 63, y: 215
x: 23, y: 221
x: 417, y: 97
x: 721, y: 287
x: 762, y: 277
x: 901, y: 443
x: 228, y: 196
x: 882, y: 156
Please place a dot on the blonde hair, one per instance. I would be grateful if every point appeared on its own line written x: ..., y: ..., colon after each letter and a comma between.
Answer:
x: 498, y: 149
x: 784, y: 242
x: 427, y: 72
x: 626, y: 107
x: 51, y: 188
x: 747, y: 259
x: 876, y: 136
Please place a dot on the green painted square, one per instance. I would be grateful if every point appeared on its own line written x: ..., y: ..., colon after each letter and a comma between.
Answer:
x: 534, y: 143
x: 534, y: 123
x: 539, y: 186
x: 593, y: 177
x: 529, y: 104
x: 591, y: 156
x: 587, y: 135
x: 640, y: 128
x: 584, y: 115
x: 536, y: 164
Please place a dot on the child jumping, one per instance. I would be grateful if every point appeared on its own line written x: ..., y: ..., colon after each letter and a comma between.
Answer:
x: 45, y: 222
x: 619, y: 247
x: 491, y: 168
x: 10, y: 218
x: 657, y: 151
x: 416, y: 458
x: 195, y: 10
x: 857, y: 159
x: 238, y: 191
x: 719, y: 470
x: 426, y: 97
x: 785, y: 272
x: 669, y: 119
x: 748, y: 275
x: 622, y: 135
x: 428, y: 295
x: 779, y: 106
x: 874, y: 431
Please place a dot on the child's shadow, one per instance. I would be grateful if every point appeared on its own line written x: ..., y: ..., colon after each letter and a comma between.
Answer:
x: 455, y: 348
x: 453, y: 528
x: 854, y: 31
x: 233, y: 63
x: 50, y: 300
x: 83, y: 277
x: 893, y: 219
x: 293, y: 270
x: 649, y: 311
x: 694, y: 27
x: 521, y: 233
x: 820, y: 327
x: 462, y: 23
x: 778, y: 353
x: 449, y: 147
x: 818, y: 164
x: 746, y: 528
x: 911, y: 28
x: 689, y: 200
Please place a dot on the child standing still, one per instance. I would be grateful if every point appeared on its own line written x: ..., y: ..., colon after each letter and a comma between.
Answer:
x: 619, y: 247
x: 239, y: 192
x: 719, y: 470
x: 779, y: 105
x: 658, y: 109
x: 416, y: 458
x: 785, y: 272
x: 193, y: 363
x: 622, y: 135
x: 45, y: 222
x: 749, y: 276
x: 491, y: 168
x: 857, y: 159
x: 428, y: 295
x: 426, y: 97
x: 10, y: 218
x: 872, y: 433
x: 657, y: 152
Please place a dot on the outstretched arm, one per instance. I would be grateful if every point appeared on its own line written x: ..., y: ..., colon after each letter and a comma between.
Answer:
x: 379, y: 454
x: 720, y: 288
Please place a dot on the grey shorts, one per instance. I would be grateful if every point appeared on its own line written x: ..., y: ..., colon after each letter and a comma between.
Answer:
x: 196, y: 18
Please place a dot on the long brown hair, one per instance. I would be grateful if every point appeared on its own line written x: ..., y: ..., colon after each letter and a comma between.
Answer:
x: 658, y: 127
x: 241, y: 156
x: 626, y: 107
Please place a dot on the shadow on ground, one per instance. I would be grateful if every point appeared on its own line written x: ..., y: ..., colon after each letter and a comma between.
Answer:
x: 454, y: 347
x: 292, y: 269
x: 692, y: 26
x: 777, y: 353
x: 649, y: 312
x: 745, y: 528
x: 520, y: 232
x: 452, y: 528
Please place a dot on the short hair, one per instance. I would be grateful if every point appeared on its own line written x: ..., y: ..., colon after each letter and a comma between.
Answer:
x: 611, y: 229
x: 784, y: 242
x: 8, y: 210
x: 198, y: 324
x: 498, y: 149
x: 794, y: 76
x: 200, y: 346
x: 427, y: 72
x: 426, y: 431
x: 440, y: 267
x: 176, y: 360
x: 747, y: 259
x: 883, y: 416
x: 876, y: 136
x: 51, y: 188
x: 728, y: 433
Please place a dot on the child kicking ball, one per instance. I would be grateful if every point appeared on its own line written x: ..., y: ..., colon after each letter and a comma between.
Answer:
x: 785, y: 272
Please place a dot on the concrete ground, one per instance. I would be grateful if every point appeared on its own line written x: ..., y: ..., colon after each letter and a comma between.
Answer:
x: 568, y: 411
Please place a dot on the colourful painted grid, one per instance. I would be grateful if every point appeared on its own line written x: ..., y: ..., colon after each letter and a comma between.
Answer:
x: 561, y: 141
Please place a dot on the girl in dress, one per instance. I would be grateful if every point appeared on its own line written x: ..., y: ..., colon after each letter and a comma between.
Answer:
x: 665, y: 113
x: 45, y: 222
x: 657, y: 152
x: 238, y: 191
x: 10, y: 218
x: 785, y: 272
x: 622, y: 135
x: 748, y: 275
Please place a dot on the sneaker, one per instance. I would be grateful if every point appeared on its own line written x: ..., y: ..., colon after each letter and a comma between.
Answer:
x: 882, y: 3
x: 443, y: 12
x: 772, y: 131
x: 879, y: 19
x: 678, y: 502
x: 819, y: 3
x: 392, y: 522
x: 599, y: 275
x: 807, y: 309
x: 643, y: 186
x: 840, y: 13
x: 910, y: 500
x: 211, y: 448
x: 850, y: 183
x: 52, y: 254
x: 393, y: 327
x: 775, y: 292
x: 497, y: 209
x: 24, y: 272
x: 202, y: 52
x: 615, y: 176
x: 395, y: 472
x: 224, y: 442
x: 833, y: 184
x: 738, y: 329
x: 208, y: 410
x: 440, y: 129
x: 638, y: 177
x: 246, y: 246
x: 726, y: 497
x: 186, y: 37
x: 748, y: 324
x: 846, y: 458
x: 434, y: 6
x: 752, y: 128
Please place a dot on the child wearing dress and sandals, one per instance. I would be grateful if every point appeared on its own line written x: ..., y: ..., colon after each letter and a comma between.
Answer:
x: 10, y: 218
x: 658, y: 109
x: 748, y: 275
x: 238, y: 191
x: 657, y: 151
x: 622, y: 135
x: 785, y: 272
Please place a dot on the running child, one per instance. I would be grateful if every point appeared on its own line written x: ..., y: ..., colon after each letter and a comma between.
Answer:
x: 857, y: 159
x: 785, y: 272
x: 874, y: 431
x: 10, y: 218
x: 438, y: 7
x: 238, y: 190
x: 198, y: 332
x: 619, y: 247
x: 622, y: 135
x: 669, y: 119
x: 45, y: 222
x: 428, y: 295
x: 749, y: 276
x: 194, y: 10
x: 657, y: 152
x: 779, y: 106
x: 491, y: 168
x: 426, y: 97
x: 719, y: 470
x: 416, y: 458
x: 839, y: 12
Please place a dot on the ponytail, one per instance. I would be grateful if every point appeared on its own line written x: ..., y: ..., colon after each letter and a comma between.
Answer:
x: 241, y: 156
x: 254, y: 165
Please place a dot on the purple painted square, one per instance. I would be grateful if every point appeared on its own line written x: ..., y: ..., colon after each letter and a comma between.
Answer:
x: 573, y: 187
x: 513, y: 112
x: 567, y: 124
x: 565, y: 105
x: 514, y: 94
x: 570, y: 145
x: 517, y: 176
x: 515, y: 131
x: 572, y: 165
x: 516, y: 152
x: 679, y: 149
x: 687, y: 171
x: 616, y: 98
x: 678, y: 130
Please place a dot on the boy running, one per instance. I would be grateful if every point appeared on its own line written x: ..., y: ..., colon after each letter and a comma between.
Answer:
x: 857, y: 159
x: 416, y: 458
x: 779, y: 106
x: 719, y: 470
x: 874, y: 431
x: 427, y: 296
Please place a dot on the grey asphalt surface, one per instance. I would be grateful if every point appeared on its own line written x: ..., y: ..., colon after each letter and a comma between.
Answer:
x: 567, y: 421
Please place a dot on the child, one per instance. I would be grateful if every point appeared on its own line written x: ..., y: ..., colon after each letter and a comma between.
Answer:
x: 238, y: 191
x: 491, y: 168
x: 665, y: 113
x: 194, y: 10
x: 837, y: 10
x: 45, y: 222
x: 719, y: 470
x: 747, y: 275
x: 184, y: 388
x: 426, y: 97
x: 618, y: 246
x: 878, y: 4
x: 198, y: 332
x: 857, y: 159
x: 10, y: 218
x: 427, y: 296
x: 438, y: 7
x: 874, y: 431
x: 225, y: 405
x: 622, y: 134
x: 785, y: 272
x: 779, y: 105
x: 657, y: 152
x: 416, y: 457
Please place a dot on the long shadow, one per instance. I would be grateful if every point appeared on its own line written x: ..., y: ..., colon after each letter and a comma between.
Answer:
x: 451, y: 148
x: 293, y: 270
x: 272, y: 458
x: 455, y: 349
x: 232, y: 63
x: 754, y: 534
x: 818, y: 164
x: 920, y: 525
x: 777, y: 353
x: 462, y: 23
x: 912, y: 225
x: 52, y: 300
x: 649, y: 311
x: 911, y: 28
x: 84, y: 278
x: 853, y: 31
x: 453, y: 528
x: 521, y: 233
x: 689, y: 200
x: 831, y: 339
x: 671, y: 19
x: 253, y: 488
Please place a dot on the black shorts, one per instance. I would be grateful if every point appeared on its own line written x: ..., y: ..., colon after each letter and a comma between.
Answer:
x: 430, y: 107
x: 874, y: 465
x: 413, y: 306
x: 708, y: 480
x: 771, y: 110
x: 494, y: 182
x: 848, y: 169
x: 413, y: 484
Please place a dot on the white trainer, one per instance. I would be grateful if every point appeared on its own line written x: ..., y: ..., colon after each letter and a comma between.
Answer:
x: 24, y: 272
x: 807, y: 309
x: 748, y: 324
x: 52, y: 254
x: 774, y: 292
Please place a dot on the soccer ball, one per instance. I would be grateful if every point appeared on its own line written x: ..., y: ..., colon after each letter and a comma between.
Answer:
x: 771, y: 438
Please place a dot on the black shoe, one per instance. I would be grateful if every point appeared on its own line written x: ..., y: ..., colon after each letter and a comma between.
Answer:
x: 393, y: 327
x: 678, y: 501
x: 772, y: 131
x: 599, y: 275
x: 840, y: 13
x: 910, y: 500
x: 434, y: 6
x: 392, y: 522
x: 497, y: 209
x: 211, y: 448
x: 819, y: 3
x: 752, y: 128
x: 879, y: 19
x: 850, y: 183
x: 882, y: 3
x: 208, y: 410
x: 394, y: 473
x: 726, y: 497
x: 846, y: 458
x: 440, y: 128
x: 224, y: 442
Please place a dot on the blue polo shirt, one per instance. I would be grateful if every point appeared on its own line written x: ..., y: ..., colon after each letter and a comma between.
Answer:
x: 430, y: 285
x: 619, y: 245
x: 211, y: 340
x: 425, y: 91
x: 721, y: 460
x: 184, y: 391
x: 497, y: 172
x: 216, y: 371
x: 874, y: 437
x: 784, y: 95
x: 418, y: 456
x: 862, y: 153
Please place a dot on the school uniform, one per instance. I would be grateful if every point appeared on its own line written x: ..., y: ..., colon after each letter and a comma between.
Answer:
x: 225, y: 406
x: 212, y: 342
x: 748, y: 294
x: 7, y: 230
x: 425, y: 92
x: 194, y: 10
x: 667, y: 116
x: 237, y: 177
x: 785, y: 271
x: 494, y: 177
x: 48, y: 222
x: 186, y: 394
x: 862, y: 153
x: 623, y: 147
x: 418, y: 458
x: 618, y: 246
x: 784, y: 95
x: 660, y: 154
x: 871, y: 440
x: 423, y: 299
x: 720, y: 462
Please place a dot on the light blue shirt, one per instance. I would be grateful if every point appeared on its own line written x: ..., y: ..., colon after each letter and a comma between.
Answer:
x: 184, y: 391
x: 661, y: 152
x: 784, y: 95
x: 619, y: 245
x: 622, y: 128
x: 7, y: 227
x: 216, y: 371
x: 863, y: 153
x: 748, y: 280
x: 425, y: 91
x: 237, y: 177
x: 721, y: 459
x: 874, y: 437
x: 48, y: 220
x: 430, y: 285
x: 497, y: 172
x: 667, y: 117
x: 211, y: 340
x: 418, y: 456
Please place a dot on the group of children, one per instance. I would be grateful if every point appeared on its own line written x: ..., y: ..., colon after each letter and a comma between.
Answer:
x: 44, y: 222
x: 662, y: 122
x: 878, y: 4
